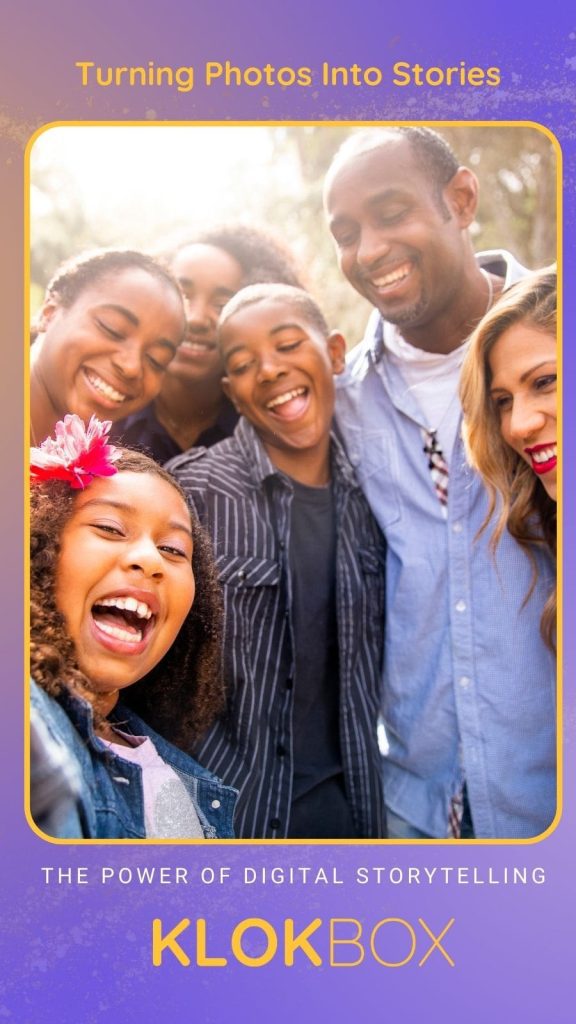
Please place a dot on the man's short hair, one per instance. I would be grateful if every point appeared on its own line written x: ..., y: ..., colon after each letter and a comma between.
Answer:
x: 432, y: 154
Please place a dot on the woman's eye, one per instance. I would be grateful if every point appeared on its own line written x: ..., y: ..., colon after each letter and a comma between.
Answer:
x: 549, y: 380
x: 175, y: 552
x: 156, y: 366
x: 107, y: 528
x: 502, y: 402
x: 236, y: 371
x: 109, y: 331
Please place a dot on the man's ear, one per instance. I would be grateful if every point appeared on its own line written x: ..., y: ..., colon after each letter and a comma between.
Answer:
x: 225, y: 382
x: 46, y: 314
x: 337, y: 350
x: 461, y: 196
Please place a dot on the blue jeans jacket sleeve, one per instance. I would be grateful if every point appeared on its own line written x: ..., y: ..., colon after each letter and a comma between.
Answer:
x: 111, y: 803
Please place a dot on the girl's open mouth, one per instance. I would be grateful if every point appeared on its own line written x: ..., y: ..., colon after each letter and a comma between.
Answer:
x: 123, y: 624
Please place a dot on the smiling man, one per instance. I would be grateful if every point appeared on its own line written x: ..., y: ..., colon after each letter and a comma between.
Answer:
x: 469, y: 685
x: 302, y: 566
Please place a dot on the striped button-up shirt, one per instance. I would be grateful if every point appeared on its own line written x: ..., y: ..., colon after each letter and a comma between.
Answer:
x: 245, y: 503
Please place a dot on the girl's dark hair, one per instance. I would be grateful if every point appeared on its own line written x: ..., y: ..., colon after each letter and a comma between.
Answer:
x: 261, y: 256
x: 182, y: 695
x: 78, y: 273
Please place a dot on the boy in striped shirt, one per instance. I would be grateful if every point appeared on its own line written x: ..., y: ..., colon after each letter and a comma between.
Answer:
x: 301, y: 562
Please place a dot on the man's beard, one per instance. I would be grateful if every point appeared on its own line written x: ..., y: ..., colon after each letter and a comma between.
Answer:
x: 407, y: 315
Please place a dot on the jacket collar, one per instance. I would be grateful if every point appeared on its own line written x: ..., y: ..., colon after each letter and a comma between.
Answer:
x: 262, y: 468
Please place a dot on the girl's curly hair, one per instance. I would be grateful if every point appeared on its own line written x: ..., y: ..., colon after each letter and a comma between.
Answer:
x: 182, y: 695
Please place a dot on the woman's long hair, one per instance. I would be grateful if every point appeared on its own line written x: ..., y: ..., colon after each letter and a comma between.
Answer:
x: 182, y: 695
x: 524, y: 507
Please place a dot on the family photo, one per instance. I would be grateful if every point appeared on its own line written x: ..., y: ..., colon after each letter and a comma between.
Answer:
x: 293, y: 482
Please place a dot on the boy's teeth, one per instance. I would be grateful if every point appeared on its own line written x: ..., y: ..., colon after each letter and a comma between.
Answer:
x: 286, y: 397
x: 120, y: 634
x: 545, y: 454
x: 128, y: 604
x: 104, y: 388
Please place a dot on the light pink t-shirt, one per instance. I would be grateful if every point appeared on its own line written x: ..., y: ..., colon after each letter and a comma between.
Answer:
x: 169, y: 812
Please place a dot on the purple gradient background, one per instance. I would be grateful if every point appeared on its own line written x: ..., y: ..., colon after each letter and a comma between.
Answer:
x: 81, y: 954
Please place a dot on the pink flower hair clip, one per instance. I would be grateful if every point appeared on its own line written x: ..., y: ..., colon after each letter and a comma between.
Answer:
x: 77, y: 453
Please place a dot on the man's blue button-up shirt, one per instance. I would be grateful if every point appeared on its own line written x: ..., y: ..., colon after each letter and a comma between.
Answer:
x: 469, y: 686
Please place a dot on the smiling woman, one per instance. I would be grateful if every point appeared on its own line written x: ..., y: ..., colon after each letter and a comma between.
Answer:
x: 109, y: 326
x: 123, y: 589
x: 508, y: 390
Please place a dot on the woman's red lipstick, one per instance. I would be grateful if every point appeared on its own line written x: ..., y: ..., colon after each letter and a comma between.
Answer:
x: 543, y: 457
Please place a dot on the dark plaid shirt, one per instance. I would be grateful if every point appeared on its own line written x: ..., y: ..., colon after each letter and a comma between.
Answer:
x: 244, y: 503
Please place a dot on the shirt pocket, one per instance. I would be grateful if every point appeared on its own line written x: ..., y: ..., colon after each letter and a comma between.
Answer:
x: 254, y: 630
x: 374, y: 457
x: 247, y: 571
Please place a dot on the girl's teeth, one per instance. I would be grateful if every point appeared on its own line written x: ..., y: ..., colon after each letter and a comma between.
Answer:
x: 105, y: 388
x: 120, y: 634
x: 129, y: 604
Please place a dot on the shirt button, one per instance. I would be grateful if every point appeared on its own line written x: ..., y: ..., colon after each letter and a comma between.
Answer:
x: 242, y: 575
x: 281, y: 545
x: 457, y: 528
x: 275, y: 824
x: 280, y: 750
x: 460, y: 606
x: 464, y: 682
x: 215, y: 804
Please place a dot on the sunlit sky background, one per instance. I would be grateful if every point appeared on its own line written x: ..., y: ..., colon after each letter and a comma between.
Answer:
x: 142, y: 177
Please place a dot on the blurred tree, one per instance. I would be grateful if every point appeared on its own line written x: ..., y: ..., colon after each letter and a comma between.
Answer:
x: 59, y: 224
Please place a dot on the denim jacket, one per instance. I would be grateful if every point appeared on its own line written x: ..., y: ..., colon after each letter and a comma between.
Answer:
x: 112, y: 801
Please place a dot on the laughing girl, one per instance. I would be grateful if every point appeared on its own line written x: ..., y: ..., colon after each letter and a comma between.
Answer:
x: 109, y: 327
x: 123, y: 592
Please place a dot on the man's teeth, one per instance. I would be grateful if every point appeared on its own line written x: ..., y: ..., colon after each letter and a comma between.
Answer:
x: 545, y: 454
x: 128, y: 604
x: 286, y: 397
x: 120, y: 634
x: 392, y: 277
x: 104, y: 388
